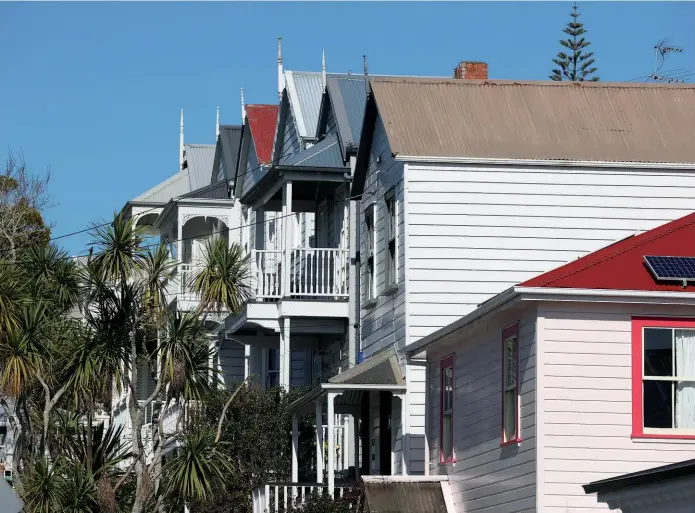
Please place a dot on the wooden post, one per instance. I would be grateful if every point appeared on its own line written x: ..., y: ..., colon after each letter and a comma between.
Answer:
x: 288, y: 238
x: 319, y: 442
x: 295, y: 449
x: 356, y: 438
x: 285, y: 352
x: 331, y: 443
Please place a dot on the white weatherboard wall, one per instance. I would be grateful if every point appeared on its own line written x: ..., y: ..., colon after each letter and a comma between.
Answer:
x: 587, y: 402
x: 486, y: 478
x: 476, y: 230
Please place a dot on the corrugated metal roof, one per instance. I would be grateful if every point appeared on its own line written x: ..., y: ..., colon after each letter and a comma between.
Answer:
x: 404, y: 497
x: 230, y: 139
x: 262, y: 120
x: 585, y: 121
x: 172, y: 187
x: 304, y: 90
x: 348, y: 98
x: 199, y: 159
x: 380, y: 369
x: 325, y: 153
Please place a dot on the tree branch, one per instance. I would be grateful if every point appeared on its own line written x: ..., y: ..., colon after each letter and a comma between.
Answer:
x: 226, y: 407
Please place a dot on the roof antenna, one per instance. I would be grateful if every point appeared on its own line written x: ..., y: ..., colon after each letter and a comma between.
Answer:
x: 366, y: 76
x: 281, y: 77
x: 217, y: 124
x: 323, y: 69
x: 243, y: 107
x: 181, y: 143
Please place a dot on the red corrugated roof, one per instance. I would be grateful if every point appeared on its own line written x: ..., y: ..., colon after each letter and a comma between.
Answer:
x: 262, y: 120
x: 621, y: 266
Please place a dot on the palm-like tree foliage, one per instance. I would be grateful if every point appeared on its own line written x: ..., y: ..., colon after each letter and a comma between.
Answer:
x: 223, y: 282
x: 119, y: 249
x: 198, y: 467
x: 41, y: 487
x: 12, y: 296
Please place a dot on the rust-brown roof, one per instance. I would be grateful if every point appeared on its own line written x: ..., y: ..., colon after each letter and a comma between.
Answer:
x: 614, y: 122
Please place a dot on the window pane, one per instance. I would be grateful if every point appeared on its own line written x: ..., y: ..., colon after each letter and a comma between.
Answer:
x: 510, y: 415
x: 685, y: 353
x: 658, y: 404
x: 658, y: 357
x: 685, y: 405
x: 273, y: 359
x: 446, y: 437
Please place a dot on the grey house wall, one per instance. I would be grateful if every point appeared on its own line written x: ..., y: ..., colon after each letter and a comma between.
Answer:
x: 485, y: 476
x: 383, y: 324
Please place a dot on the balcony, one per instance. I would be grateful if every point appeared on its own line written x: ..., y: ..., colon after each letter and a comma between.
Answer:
x: 315, y: 273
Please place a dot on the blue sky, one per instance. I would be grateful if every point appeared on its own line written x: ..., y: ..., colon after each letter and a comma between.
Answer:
x: 93, y: 90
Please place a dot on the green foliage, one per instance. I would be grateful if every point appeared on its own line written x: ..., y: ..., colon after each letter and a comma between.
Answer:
x: 223, y: 281
x: 256, y: 441
x: 575, y: 64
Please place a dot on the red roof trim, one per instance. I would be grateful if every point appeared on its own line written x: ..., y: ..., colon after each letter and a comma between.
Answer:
x: 262, y: 120
x: 620, y: 266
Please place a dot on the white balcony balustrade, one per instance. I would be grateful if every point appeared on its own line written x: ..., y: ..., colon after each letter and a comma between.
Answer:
x: 266, y: 273
x: 319, y: 272
x: 276, y: 497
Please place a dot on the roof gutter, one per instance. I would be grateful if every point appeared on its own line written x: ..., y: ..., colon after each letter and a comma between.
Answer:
x: 549, y: 162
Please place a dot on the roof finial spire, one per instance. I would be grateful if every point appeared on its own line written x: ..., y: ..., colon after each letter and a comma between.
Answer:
x: 217, y: 124
x: 181, y: 143
x: 366, y: 75
x: 281, y: 77
x: 243, y: 107
x: 323, y: 69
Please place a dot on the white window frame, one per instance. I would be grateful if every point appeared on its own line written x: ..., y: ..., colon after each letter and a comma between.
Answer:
x: 510, y: 383
x: 391, y: 238
x: 672, y: 379
x: 370, y: 252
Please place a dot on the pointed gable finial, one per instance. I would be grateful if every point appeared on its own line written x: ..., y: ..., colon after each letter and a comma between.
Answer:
x: 281, y: 76
x: 181, y: 143
x: 243, y: 107
x: 366, y: 75
x: 217, y: 124
x: 323, y: 69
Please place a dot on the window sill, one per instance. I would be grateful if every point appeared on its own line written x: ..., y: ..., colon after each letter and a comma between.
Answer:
x: 391, y: 290
x: 368, y: 305
x: 448, y: 462
x: 658, y: 437
x: 516, y: 441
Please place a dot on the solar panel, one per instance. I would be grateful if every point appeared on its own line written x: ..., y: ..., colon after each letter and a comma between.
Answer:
x: 671, y: 268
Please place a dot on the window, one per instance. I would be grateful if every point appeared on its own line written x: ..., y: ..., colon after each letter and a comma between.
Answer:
x: 446, y: 420
x: 273, y: 378
x: 391, y: 237
x: 369, y: 253
x: 663, y: 378
x: 510, y: 384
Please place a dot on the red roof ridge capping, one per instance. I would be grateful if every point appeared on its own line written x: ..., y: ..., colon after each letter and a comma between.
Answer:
x: 262, y: 120
x: 620, y: 266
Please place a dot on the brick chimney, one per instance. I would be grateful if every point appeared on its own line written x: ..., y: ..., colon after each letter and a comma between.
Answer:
x: 471, y: 70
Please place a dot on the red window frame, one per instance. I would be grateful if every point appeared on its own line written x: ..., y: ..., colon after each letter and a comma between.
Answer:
x: 638, y: 324
x: 446, y: 363
x: 511, y: 331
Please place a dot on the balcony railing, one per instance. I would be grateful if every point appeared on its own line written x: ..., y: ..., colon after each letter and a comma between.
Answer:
x: 183, y: 281
x: 266, y: 273
x: 319, y: 272
x: 276, y: 497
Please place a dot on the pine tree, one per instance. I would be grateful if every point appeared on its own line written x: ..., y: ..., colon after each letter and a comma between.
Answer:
x: 575, y: 65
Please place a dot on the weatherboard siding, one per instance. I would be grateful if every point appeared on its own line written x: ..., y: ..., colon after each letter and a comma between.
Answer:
x: 475, y: 231
x: 290, y: 144
x: 587, y: 413
x: 383, y: 324
x: 486, y: 477
x: 232, y: 363
x: 253, y: 171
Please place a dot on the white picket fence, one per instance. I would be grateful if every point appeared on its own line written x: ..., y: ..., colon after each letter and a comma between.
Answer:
x: 275, y: 497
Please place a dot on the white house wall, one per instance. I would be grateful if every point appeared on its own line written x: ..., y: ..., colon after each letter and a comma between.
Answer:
x: 587, y: 402
x: 476, y: 230
x: 486, y: 477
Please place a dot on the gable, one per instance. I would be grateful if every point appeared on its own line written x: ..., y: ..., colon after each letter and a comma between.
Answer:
x: 262, y: 121
x: 621, y: 266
